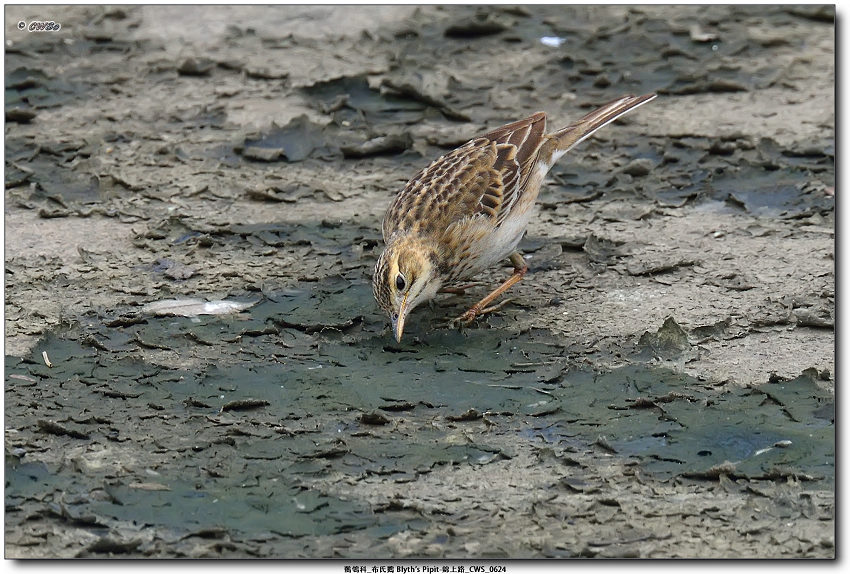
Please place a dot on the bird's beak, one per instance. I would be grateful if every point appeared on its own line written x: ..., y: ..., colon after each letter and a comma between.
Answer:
x: 398, y: 321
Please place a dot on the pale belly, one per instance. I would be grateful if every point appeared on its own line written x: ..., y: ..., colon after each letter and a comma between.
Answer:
x: 490, y: 247
x: 504, y: 240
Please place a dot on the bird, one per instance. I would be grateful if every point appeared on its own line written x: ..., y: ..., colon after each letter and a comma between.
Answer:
x: 468, y: 210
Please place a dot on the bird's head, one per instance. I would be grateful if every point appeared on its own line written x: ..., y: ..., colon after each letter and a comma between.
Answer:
x: 405, y: 276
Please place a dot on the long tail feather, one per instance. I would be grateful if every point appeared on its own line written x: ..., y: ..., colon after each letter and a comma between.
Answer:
x: 567, y: 138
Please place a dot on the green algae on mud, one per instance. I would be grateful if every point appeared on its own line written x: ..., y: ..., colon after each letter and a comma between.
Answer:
x: 250, y: 472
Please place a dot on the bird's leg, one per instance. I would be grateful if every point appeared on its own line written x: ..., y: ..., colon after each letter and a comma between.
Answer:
x: 482, y: 307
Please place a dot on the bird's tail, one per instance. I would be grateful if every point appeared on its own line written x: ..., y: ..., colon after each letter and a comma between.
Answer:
x: 565, y: 139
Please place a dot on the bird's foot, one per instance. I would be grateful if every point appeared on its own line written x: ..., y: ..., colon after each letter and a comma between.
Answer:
x: 474, y: 312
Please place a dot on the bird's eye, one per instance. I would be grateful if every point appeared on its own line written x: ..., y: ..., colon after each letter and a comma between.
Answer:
x: 399, y: 282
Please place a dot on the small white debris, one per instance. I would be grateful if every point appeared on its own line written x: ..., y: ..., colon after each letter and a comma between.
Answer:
x: 46, y: 359
x: 223, y: 307
x: 698, y: 35
x: 552, y: 41
x: 194, y: 307
x: 783, y: 444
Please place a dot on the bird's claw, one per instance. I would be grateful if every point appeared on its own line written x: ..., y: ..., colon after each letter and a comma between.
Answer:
x: 463, y: 320
x: 467, y: 317
x: 474, y: 312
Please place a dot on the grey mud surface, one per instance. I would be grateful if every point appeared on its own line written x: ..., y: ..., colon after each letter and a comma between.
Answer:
x: 660, y: 386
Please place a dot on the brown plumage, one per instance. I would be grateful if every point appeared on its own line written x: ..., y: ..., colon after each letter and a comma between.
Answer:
x: 468, y: 210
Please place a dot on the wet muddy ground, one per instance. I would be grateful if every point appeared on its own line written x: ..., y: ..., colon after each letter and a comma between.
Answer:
x: 661, y: 384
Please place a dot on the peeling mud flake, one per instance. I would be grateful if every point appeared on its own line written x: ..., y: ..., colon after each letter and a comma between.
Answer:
x: 388, y: 144
x: 110, y: 546
x: 669, y: 342
x: 152, y: 486
x: 639, y: 167
x: 470, y: 415
x: 653, y: 267
x: 373, y: 418
x: 196, y: 67
x: 244, y: 405
x: 476, y: 26
x: 54, y: 428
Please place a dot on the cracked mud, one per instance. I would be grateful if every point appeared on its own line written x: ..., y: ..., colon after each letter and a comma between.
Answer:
x: 660, y: 385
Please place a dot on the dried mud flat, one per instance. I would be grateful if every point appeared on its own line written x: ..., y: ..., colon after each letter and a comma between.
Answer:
x: 660, y: 386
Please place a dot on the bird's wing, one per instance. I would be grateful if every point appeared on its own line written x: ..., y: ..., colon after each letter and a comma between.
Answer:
x: 517, y: 145
x: 450, y: 187
x: 483, y: 177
